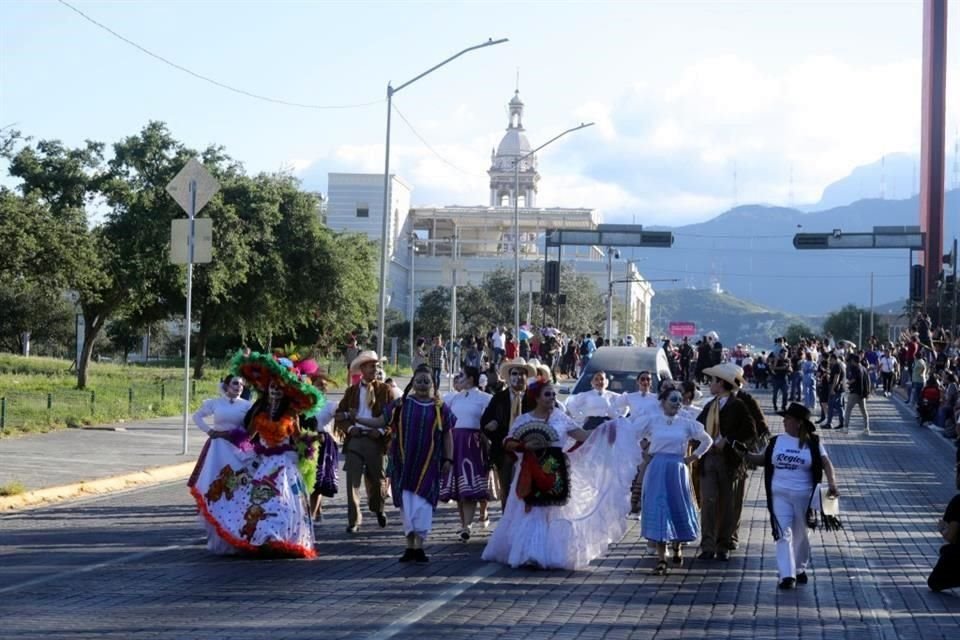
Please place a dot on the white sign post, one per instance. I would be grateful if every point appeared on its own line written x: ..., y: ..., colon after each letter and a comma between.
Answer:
x: 192, y: 188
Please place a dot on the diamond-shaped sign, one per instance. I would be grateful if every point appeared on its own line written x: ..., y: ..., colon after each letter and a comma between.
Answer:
x: 193, y: 176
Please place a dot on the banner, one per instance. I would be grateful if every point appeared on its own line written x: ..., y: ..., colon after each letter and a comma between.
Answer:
x: 681, y: 329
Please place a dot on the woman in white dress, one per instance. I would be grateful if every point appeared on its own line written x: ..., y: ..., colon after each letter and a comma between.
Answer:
x: 227, y: 447
x: 566, y: 507
x: 669, y: 512
x: 592, y: 408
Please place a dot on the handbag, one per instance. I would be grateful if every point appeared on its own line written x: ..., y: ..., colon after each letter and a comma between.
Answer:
x: 828, y: 508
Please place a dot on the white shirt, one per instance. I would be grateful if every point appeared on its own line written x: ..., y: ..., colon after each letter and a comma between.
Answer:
x: 792, y: 464
x: 497, y: 339
x: 468, y: 405
x: 227, y: 414
x: 887, y: 364
x: 325, y: 417
x: 593, y: 403
x: 639, y: 403
x: 673, y: 435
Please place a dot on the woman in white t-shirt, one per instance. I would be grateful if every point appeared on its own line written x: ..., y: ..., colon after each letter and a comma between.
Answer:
x: 794, y: 465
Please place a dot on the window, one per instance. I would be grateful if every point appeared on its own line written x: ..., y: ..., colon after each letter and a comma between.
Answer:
x: 363, y: 210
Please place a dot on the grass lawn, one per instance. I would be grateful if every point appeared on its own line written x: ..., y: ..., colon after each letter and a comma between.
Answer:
x: 40, y: 394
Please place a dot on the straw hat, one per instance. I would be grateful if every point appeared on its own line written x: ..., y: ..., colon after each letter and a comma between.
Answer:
x: 726, y: 371
x: 363, y: 358
x: 516, y: 363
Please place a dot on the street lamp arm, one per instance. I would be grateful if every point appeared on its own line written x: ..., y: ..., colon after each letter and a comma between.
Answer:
x: 488, y: 43
x: 554, y: 139
x: 646, y: 280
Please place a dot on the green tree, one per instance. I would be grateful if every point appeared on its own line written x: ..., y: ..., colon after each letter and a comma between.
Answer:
x: 796, y: 332
x: 845, y: 324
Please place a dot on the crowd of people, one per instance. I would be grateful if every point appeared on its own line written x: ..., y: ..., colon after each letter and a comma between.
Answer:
x: 564, y: 476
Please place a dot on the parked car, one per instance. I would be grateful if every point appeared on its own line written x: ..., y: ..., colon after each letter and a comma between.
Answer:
x: 622, y: 365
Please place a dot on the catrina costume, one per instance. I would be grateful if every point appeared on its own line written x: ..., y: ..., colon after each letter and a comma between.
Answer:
x: 566, y: 507
x: 262, y: 506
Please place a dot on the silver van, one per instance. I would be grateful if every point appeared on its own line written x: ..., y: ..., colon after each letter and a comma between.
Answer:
x: 622, y: 365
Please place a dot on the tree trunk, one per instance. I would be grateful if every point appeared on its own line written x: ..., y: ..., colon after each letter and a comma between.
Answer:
x: 91, y: 332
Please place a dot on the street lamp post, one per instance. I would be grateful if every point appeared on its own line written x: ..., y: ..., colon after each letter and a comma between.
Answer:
x: 611, y: 253
x: 516, y: 222
x: 385, y: 227
x: 413, y: 292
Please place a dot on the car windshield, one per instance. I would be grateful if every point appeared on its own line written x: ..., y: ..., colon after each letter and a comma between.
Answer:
x: 620, y: 382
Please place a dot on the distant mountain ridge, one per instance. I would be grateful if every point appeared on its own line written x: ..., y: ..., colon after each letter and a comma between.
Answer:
x: 749, y: 251
x: 735, y: 320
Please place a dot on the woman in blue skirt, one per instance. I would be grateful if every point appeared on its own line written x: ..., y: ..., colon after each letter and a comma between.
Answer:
x: 669, y: 512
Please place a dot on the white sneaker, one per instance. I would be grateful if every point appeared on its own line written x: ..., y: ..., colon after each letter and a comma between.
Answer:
x: 934, y: 427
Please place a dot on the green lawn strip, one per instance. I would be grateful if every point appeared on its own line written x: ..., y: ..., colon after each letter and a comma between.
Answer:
x: 40, y: 393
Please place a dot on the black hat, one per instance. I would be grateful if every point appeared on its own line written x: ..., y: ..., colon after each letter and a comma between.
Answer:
x: 800, y: 412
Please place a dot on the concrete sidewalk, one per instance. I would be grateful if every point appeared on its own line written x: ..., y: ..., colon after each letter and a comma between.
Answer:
x: 67, y: 463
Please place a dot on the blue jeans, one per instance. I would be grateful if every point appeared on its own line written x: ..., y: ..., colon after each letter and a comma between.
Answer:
x: 779, y: 386
x: 835, y: 407
x: 795, y: 385
x: 915, y: 390
x: 809, y: 392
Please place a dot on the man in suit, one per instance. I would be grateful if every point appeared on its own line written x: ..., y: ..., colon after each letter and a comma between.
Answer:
x: 499, y: 415
x: 364, y: 448
x: 729, y: 423
x: 759, y: 443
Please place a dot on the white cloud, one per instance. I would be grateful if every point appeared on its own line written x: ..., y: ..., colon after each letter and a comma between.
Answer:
x: 668, y: 154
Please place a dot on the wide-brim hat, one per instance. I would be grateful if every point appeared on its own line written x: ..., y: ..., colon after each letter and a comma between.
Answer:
x: 726, y: 371
x: 800, y: 412
x: 262, y: 369
x: 363, y: 358
x: 516, y: 363
x: 544, y: 370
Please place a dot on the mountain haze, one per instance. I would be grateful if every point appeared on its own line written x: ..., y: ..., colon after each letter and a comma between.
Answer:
x: 749, y: 251
x: 735, y: 320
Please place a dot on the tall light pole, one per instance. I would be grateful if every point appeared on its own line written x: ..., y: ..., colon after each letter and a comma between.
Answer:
x: 611, y: 253
x: 385, y: 227
x: 413, y: 292
x: 516, y: 223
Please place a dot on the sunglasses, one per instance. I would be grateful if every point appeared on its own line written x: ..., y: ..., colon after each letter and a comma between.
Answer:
x: 644, y: 379
x: 548, y: 394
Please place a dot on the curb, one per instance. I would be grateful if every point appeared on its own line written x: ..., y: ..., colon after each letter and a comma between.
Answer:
x: 53, y: 495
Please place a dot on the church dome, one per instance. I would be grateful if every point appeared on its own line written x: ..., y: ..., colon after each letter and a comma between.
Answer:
x: 514, y: 144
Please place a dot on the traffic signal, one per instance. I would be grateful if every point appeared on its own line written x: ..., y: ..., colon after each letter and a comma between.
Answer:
x: 552, y: 277
x: 916, y: 283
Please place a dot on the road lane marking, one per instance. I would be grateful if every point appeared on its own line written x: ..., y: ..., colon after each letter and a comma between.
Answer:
x: 441, y: 599
x: 90, y: 567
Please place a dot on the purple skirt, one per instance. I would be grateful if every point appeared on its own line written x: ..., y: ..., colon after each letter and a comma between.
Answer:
x: 468, y: 478
x: 327, y: 463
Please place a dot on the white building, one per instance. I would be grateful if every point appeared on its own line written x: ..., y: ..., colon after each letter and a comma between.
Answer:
x: 477, y: 240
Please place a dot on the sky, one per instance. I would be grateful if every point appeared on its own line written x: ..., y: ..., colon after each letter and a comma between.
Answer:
x: 698, y: 105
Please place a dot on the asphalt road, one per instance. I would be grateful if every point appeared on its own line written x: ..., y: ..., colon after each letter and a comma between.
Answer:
x: 133, y: 565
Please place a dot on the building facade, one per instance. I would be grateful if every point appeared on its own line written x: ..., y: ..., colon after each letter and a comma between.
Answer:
x: 430, y: 246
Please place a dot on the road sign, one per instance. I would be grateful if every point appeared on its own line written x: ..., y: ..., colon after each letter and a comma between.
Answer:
x: 880, y: 238
x: 530, y: 281
x: 683, y: 329
x: 193, y: 173
x: 454, y: 273
x: 202, y: 241
x: 610, y: 235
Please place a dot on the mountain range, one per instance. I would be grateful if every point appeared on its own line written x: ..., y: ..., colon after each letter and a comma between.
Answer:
x: 748, y: 251
x: 735, y: 320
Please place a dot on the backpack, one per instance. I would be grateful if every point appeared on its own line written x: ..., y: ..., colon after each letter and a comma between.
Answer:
x: 472, y: 359
x: 584, y: 349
